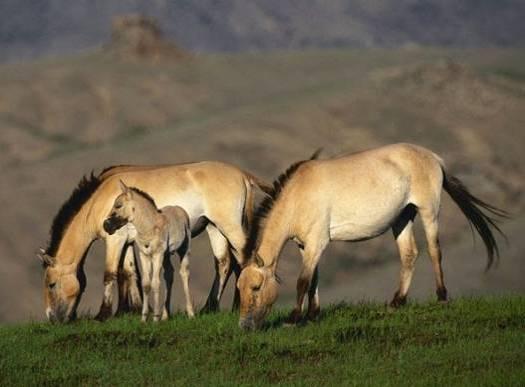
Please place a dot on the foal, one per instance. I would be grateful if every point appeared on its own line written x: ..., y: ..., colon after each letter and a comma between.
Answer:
x: 159, y: 234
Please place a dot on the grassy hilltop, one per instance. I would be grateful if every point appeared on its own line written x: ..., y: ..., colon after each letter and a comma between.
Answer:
x: 468, y: 342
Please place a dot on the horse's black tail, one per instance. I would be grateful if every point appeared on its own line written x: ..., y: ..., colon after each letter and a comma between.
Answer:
x: 472, y: 208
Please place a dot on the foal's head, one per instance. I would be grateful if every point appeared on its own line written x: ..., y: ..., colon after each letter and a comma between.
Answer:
x: 123, y: 210
x: 258, y: 290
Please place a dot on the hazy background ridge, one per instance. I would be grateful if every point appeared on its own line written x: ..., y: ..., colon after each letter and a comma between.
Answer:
x: 47, y: 27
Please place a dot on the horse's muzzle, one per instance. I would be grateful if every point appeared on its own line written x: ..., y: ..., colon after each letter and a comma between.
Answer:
x: 112, y: 224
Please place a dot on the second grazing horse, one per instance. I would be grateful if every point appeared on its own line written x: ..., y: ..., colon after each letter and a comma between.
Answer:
x: 353, y: 197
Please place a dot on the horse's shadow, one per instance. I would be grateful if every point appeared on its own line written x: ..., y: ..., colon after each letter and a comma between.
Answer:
x: 282, y: 319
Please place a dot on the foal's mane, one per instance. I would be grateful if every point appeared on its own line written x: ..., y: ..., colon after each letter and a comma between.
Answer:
x: 145, y: 195
x: 80, y: 195
x: 265, y: 207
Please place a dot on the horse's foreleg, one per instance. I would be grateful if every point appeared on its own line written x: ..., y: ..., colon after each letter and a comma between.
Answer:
x: 307, y: 281
x: 408, y: 253
x: 113, y: 252
x: 314, y: 306
x: 184, y: 272
x: 430, y: 224
x: 129, y: 292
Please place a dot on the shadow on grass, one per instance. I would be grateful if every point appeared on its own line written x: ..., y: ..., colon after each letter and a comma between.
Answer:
x: 282, y: 318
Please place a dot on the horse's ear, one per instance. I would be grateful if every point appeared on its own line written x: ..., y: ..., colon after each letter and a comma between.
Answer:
x: 124, y: 188
x: 45, y: 258
x: 258, y: 260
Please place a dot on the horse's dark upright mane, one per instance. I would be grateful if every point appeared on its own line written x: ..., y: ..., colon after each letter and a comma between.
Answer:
x: 145, y: 195
x: 268, y: 202
x: 80, y: 195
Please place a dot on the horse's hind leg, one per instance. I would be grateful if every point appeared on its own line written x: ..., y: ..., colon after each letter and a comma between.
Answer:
x: 408, y: 253
x: 430, y: 224
x: 223, y: 268
x: 185, y: 277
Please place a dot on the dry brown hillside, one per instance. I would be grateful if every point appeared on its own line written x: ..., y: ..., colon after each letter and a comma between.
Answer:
x: 61, y: 118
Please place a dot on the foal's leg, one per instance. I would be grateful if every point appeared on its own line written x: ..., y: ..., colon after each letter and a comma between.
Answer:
x: 223, y: 268
x: 184, y: 272
x: 146, y: 264
x: 114, y: 246
x: 408, y: 253
x: 311, y: 255
x: 155, y: 285
x: 430, y: 224
x: 168, y: 278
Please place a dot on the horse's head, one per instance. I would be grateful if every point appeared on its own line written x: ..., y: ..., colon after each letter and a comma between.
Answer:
x: 258, y: 290
x: 122, y: 212
x: 61, y: 289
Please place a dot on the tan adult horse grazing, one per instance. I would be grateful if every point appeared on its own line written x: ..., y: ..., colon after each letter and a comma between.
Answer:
x: 353, y: 198
x: 217, y: 197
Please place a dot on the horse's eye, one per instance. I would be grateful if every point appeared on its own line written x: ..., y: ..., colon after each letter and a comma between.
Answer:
x: 117, y: 206
x: 146, y: 245
x: 51, y: 286
x: 256, y: 288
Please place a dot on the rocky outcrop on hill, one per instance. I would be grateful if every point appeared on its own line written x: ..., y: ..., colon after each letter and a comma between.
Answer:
x: 137, y: 37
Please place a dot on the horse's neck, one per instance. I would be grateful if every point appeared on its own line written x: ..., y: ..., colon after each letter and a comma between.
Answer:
x: 276, y: 231
x: 146, y: 217
x: 77, y: 238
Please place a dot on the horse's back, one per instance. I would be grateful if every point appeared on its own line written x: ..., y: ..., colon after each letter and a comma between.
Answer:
x: 363, y: 193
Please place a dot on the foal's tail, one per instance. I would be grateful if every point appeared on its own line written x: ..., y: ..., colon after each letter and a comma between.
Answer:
x: 481, y: 215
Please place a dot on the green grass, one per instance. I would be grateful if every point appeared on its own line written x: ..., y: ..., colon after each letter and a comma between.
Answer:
x: 468, y: 342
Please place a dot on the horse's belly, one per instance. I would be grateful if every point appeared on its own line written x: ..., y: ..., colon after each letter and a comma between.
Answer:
x: 351, y: 231
x: 190, y: 201
x: 358, y: 223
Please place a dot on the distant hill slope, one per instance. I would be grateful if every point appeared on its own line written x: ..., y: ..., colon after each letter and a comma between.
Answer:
x: 46, y: 27
x: 61, y: 118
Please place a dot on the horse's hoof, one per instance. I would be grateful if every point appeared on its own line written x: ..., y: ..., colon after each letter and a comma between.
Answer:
x: 207, y: 309
x: 442, y: 295
x: 104, y: 313
x: 313, y: 316
x: 398, y: 301
x: 293, y: 319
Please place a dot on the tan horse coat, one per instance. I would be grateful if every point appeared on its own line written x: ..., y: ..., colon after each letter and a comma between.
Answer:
x: 353, y: 198
x: 216, y: 196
